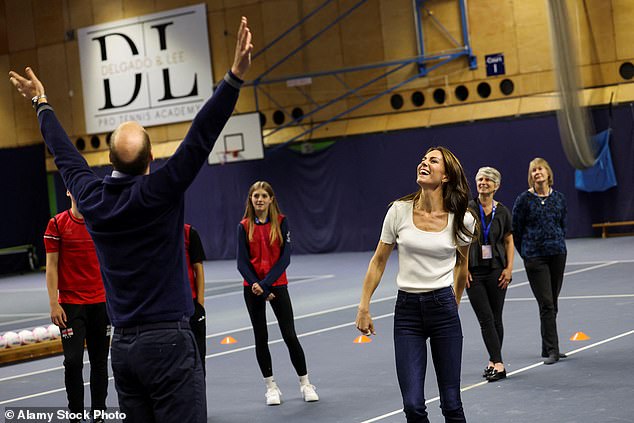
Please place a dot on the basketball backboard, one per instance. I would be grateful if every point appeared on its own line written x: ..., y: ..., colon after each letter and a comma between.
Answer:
x: 240, y: 140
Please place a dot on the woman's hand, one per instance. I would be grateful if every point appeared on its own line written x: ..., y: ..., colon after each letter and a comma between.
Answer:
x: 505, y: 278
x: 364, y: 323
x: 257, y: 289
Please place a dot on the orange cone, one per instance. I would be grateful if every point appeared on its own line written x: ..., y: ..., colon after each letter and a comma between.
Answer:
x: 579, y: 336
x: 362, y: 339
x: 228, y: 340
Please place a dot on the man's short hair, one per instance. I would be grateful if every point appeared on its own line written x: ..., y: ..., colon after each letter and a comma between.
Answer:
x: 139, y: 164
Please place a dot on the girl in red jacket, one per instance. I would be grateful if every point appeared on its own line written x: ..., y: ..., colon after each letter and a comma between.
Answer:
x: 264, y: 252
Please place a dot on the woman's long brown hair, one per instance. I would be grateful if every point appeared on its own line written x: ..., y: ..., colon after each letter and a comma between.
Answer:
x: 455, y: 193
x: 274, y: 212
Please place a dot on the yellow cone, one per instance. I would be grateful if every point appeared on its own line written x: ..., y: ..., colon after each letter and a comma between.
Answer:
x: 579, y: 336
x: 362, y: 339
x: 228, y: 340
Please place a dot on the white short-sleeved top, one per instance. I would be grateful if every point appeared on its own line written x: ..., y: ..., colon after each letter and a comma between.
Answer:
x: 425, y: 259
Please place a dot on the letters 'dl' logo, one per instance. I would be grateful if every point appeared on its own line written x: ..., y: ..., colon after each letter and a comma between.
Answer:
x: 167, y: 88
x: 154, y: 69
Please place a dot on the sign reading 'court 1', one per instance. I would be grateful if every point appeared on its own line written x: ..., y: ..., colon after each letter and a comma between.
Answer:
x: 495, y: 64
x: 154, y: 69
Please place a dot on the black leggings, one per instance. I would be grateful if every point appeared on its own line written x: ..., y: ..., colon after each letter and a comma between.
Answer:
x: 546, y: 276
x: 89, y: 323
x: 487, y: 300
x: 256, y: 305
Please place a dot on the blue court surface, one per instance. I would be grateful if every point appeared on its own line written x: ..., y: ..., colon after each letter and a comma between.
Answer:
x: 357, y: 382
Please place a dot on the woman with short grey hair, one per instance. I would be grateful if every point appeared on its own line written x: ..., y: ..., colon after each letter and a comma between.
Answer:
x: 490, y: 267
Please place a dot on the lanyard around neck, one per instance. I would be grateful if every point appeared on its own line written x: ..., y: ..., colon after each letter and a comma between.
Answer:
x: 486, y: 229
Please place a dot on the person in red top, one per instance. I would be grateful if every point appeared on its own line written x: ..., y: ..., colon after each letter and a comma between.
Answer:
x: 78, y: 306
x: 264, y: 252
x: 195, y: 255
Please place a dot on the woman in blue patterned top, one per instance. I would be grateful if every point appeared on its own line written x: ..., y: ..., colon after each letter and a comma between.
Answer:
x: 539, y: 232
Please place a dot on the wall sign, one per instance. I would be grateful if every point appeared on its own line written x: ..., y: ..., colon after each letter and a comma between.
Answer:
x: 495, y: 64
x: 154, y: 69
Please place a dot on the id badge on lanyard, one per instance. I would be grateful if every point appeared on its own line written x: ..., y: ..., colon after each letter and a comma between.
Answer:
x: 487, y: 250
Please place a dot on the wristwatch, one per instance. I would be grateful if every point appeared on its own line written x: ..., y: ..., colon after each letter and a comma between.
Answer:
x: 35, y: 100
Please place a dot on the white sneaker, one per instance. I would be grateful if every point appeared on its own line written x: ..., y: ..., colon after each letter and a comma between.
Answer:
x: 309, y: 393
x: 273, y: 396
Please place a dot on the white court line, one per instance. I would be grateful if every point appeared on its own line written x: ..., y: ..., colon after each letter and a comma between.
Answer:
x: 303, y: 316
x: 233, y: 351
x: 523, y: 369
x: 249, y: 327
x: 332, y: 310
x: 239, y: 292
x: 577, y: 297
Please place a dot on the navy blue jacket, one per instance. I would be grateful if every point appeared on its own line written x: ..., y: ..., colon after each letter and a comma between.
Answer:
x: 136, y: 222
x: 539, y: 224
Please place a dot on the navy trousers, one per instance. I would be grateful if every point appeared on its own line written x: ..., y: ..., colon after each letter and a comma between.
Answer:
x: 434, y: 316
x: 158, y: 373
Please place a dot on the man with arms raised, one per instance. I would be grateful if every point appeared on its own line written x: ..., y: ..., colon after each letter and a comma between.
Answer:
x: 136, y: 221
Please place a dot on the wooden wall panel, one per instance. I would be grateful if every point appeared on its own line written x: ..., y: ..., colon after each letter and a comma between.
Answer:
x: 26, y: 126
x: 241, y: 3
x: 533, y: 36
x: 7, y: 115
x: 215, y: 5
x: 132, y: 8
x: 20, y: 30
x: 4, y: 40
x: 362, y: 43
x: 53, y: 72
x: 325, y: 53
x: 106, y: 11
x: 436, y: 37
x: 599, y: 74
x: 414, y: 119
x: 271, y: 13
x: 538, y: 82
x: 492, y: 29
x: 488, y: 110
x: 445, y: 115
x: 594, y: 22
x: 32, y: 32
x: 399, y: 36
x: 623, y: 18
x: 157, y: 133
x: 220, y: 55
x: 75, y: 90
x: 162, y: 5
x: 48, y: 19
x: 80, y: 12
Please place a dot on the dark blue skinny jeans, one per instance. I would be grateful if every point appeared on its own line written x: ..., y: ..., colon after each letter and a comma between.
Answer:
x: 434, y: 316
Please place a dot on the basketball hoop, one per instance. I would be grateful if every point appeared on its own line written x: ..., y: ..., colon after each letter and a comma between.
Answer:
x: 225, y: 156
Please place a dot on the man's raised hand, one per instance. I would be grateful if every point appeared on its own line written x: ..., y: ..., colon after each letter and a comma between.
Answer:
x: 30, y: 86
x: 242, y: 58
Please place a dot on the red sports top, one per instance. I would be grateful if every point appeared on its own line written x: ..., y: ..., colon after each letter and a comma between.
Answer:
x: 263, y: 255
x: 79, y: 277
x: 188, y: 260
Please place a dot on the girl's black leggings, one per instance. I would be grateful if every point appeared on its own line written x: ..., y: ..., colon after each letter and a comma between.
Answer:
x: 256, y: 305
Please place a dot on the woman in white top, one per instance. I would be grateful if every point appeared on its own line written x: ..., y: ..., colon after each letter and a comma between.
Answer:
x: 433, y: 230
